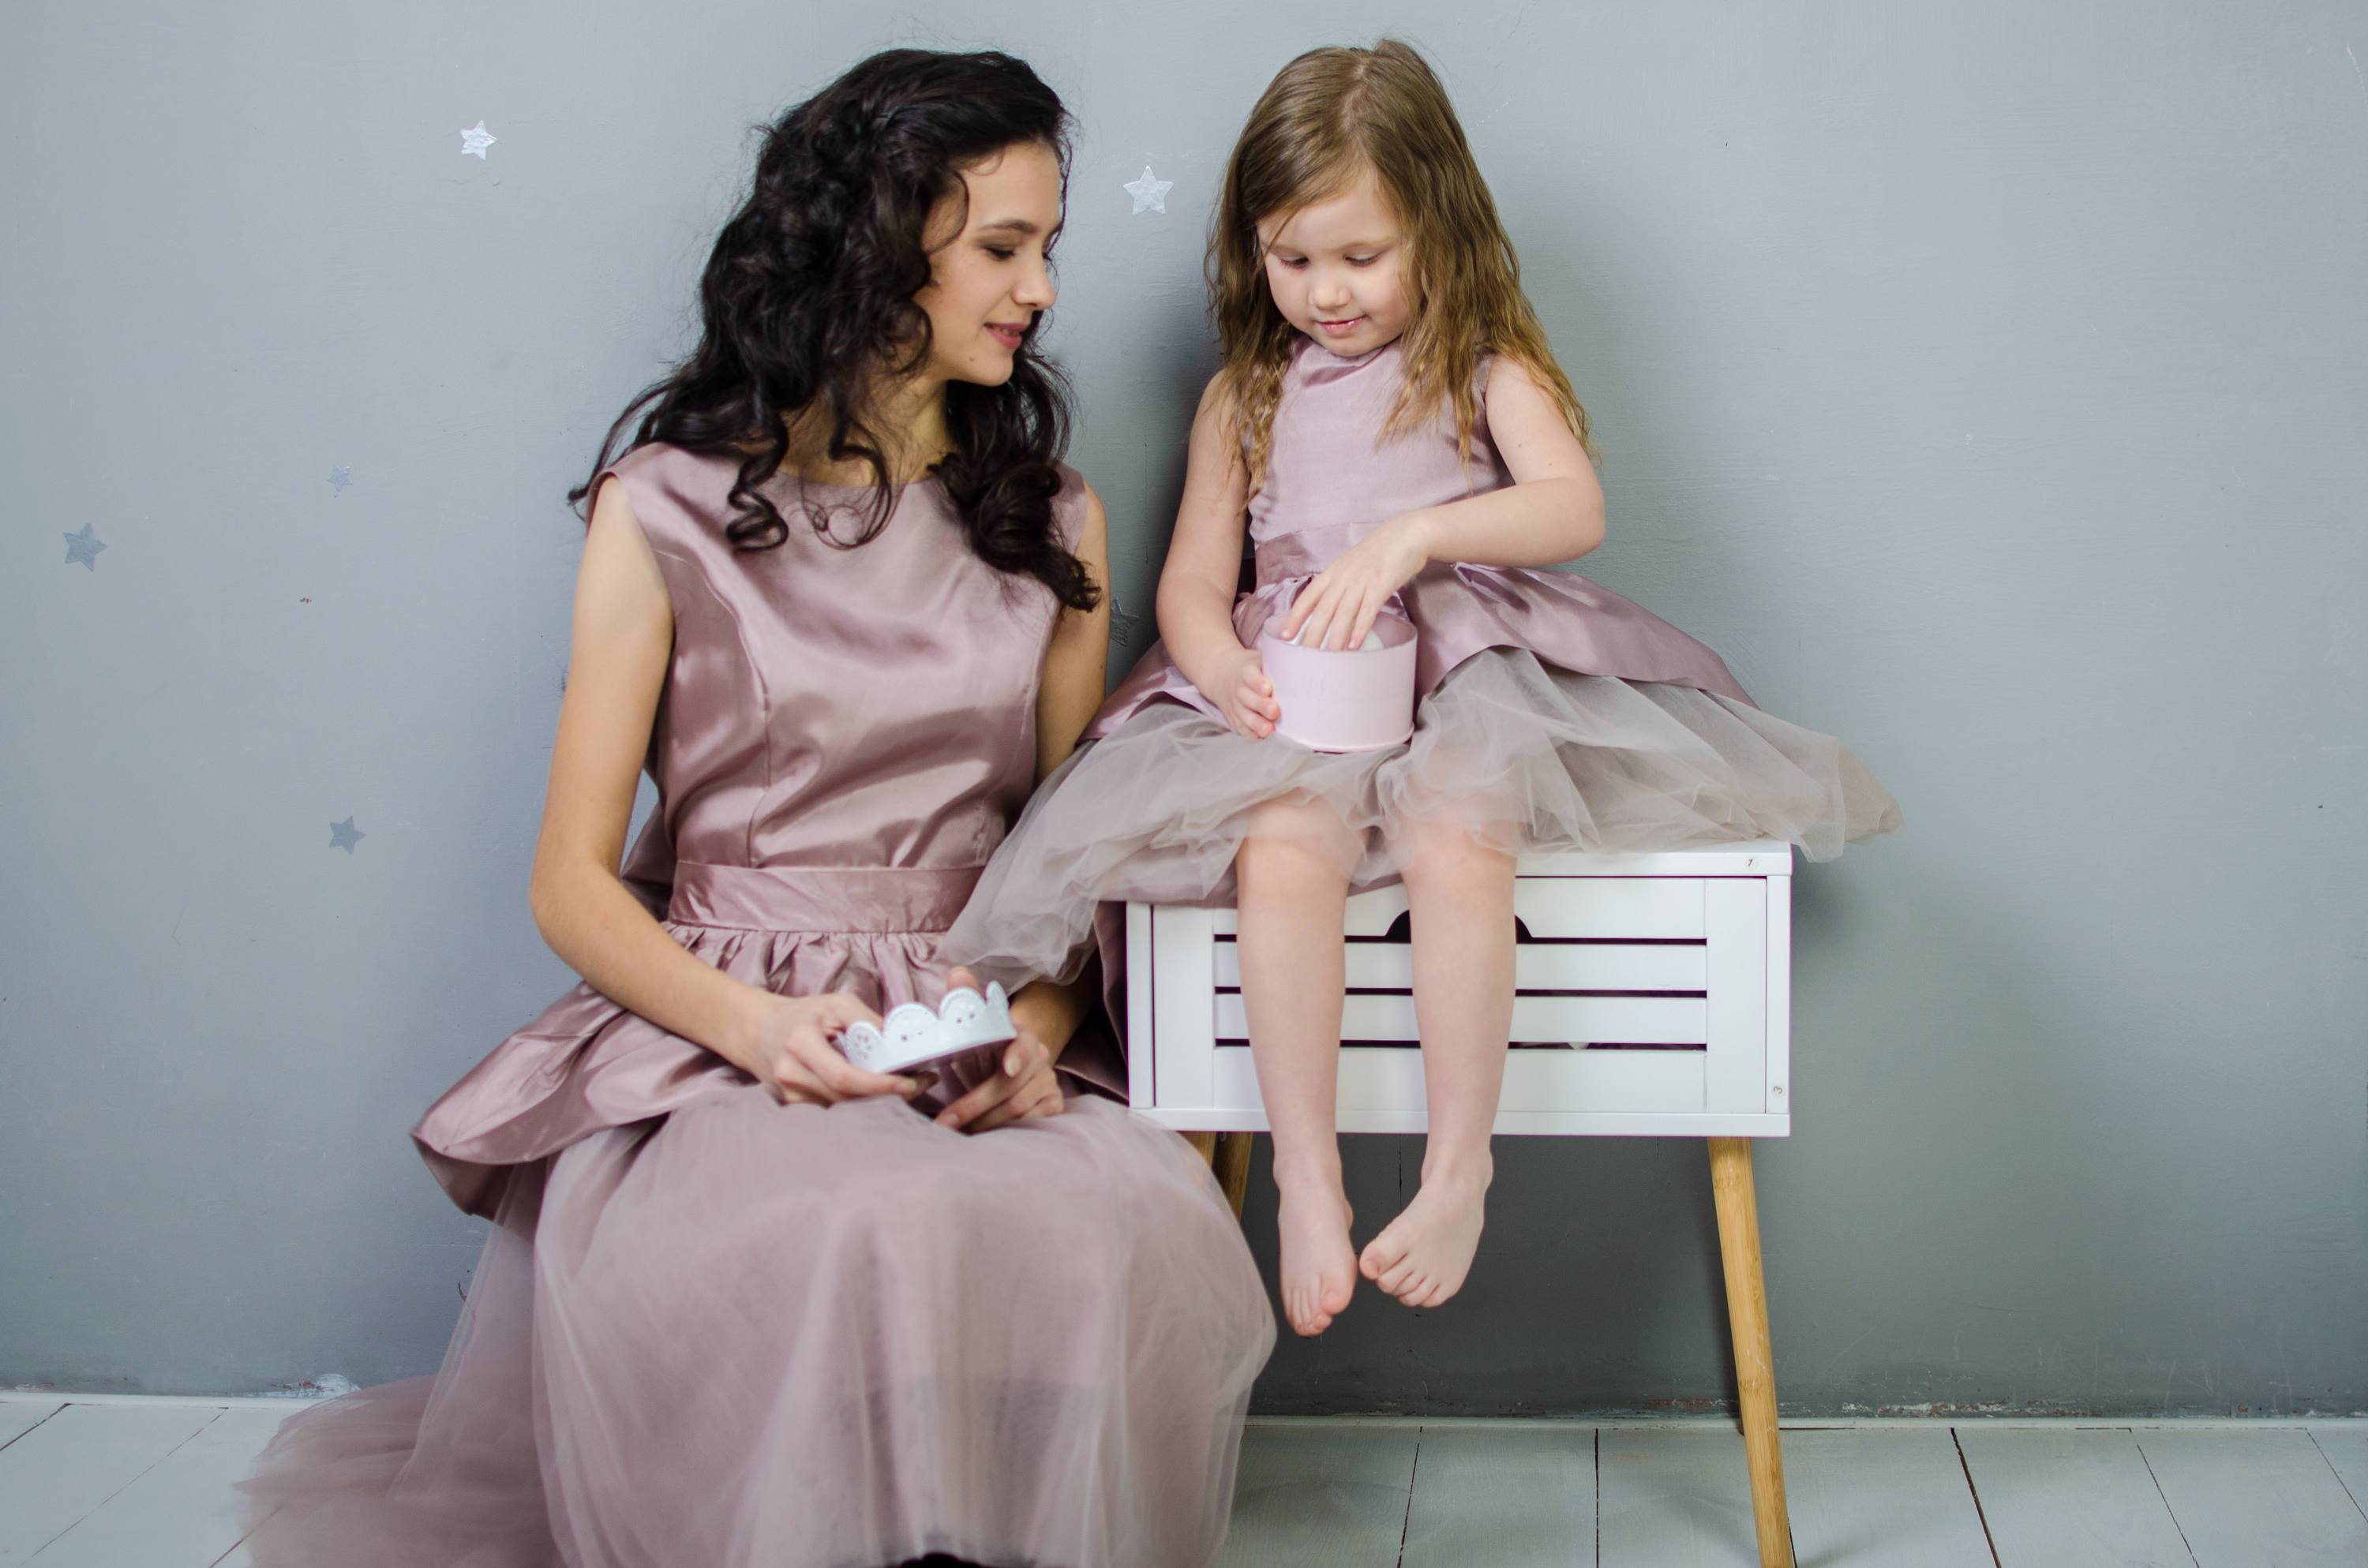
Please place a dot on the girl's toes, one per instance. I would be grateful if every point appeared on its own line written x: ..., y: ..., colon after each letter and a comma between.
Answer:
x: 1394, y: 1282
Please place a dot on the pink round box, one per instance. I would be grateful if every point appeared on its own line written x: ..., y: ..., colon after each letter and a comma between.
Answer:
x: 1345, y: 699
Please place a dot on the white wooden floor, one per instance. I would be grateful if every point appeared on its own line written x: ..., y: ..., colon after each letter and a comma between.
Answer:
x: 134, y: 1483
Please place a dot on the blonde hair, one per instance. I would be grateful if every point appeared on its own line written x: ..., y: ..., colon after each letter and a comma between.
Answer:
x: 1325, y: 115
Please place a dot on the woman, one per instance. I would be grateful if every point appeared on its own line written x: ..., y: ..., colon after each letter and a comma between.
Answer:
x: 744, y: 1304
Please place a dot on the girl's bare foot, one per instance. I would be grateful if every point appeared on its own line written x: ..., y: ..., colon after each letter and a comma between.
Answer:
x: 1319, y: 1266
x: 1422, y: 1255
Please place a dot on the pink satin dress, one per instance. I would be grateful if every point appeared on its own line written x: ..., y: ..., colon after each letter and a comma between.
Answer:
x: 710, y: 1329
x: 1554, y: 714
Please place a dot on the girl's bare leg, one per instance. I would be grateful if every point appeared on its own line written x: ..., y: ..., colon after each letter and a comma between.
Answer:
x: 1461, y: 894
x: 1293, y: 878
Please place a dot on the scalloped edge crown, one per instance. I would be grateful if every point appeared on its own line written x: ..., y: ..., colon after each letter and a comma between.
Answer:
x: 913, y: 1032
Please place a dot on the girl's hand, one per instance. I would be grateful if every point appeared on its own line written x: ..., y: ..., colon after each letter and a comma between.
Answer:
x: 1244, y: 695
x: 1338, y: 607
x: 1025, y: 1087
x: 793, y: 1055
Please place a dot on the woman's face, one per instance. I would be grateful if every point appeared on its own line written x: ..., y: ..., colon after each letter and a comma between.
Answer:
x: 988, y: 281
x: 1334, y: 268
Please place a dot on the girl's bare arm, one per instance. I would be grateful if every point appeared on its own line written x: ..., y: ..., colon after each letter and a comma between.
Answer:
x: 1205, y: 556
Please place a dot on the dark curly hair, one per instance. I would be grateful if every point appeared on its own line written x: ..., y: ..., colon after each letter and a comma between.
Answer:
x: 809, y: 290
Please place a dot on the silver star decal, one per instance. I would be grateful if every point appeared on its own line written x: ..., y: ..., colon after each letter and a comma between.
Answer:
x: 345, y: 835
x: 338, y: 479
x: 84, y: 547
x: 1150, y: 193
x: 1122, y: 622
x: 475, y: 140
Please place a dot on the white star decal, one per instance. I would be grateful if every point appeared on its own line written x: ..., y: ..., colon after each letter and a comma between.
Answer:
x: 1150, y: 193
x: 476, y: 140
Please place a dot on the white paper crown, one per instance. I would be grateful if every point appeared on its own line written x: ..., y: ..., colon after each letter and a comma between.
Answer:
x: 915, y: 1034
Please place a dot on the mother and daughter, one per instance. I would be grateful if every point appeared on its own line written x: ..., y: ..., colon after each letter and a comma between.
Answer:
x: 743, y: 1302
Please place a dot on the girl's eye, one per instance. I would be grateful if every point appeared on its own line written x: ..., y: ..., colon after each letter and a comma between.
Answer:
x: 1362, y: 260
x: 1294, y: 262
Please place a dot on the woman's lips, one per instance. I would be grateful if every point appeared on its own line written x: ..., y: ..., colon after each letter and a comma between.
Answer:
x: 1008, y: 337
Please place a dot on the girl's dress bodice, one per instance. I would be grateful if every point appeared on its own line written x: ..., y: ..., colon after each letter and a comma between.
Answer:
x: 1331, y: 480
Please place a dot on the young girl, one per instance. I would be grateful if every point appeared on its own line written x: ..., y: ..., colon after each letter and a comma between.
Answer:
x: 1390, y: 422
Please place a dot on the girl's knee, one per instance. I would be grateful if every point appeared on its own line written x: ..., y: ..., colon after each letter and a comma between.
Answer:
x: 1301, y: 840
x: 1433, y: 849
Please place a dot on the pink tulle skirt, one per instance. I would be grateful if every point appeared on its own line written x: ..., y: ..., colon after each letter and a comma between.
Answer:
x: 753, y: 1334
x: 1524, y: 757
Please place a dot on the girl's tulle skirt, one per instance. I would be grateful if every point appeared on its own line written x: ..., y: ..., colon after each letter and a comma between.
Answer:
x: 1524, y: 757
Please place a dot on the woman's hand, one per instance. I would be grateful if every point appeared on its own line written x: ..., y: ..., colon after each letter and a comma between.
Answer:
x: 794, y: 1057
x: 1025, y: 1087
x: 1245, y: 696
x: 1340, y: 605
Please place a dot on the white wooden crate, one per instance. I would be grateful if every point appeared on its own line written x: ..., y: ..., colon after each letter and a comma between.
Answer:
x: 1653, y: 998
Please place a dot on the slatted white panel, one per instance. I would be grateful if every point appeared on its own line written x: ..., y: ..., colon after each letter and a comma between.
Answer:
x: 1562, y: 1020
x: 1382, y: 1079
x: 1651, y: 1003
x: 1613, y: 907
x: 1537, y: 966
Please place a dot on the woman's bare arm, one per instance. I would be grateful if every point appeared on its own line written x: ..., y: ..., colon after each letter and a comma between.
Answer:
x: 1077, y: 666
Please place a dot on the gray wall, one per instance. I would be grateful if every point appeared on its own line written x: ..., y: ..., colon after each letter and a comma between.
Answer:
x: 1987, y: 387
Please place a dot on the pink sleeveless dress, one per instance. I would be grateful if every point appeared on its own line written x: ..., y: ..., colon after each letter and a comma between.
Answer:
x: 1554, y: 714
x: 710, y: 1329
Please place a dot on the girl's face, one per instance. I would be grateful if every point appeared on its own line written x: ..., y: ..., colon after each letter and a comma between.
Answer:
x: 988, y: 280
x: 1334, y: 268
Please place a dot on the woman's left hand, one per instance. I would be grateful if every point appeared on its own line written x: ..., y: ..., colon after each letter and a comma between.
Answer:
x: 1340, y: 605
x: 1025, y: 1087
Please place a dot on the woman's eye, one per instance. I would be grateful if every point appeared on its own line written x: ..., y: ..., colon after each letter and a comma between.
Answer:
x: 1001, y: 254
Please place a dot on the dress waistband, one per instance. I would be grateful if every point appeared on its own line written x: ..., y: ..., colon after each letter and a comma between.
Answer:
x: 1307, y: 551
x: 821, y: 898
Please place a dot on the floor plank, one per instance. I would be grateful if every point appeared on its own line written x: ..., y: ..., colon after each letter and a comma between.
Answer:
x: 19, y: 1417
x: 2074, y: 1497
x: 1881, y: 1500
x: 2256, y: 1499
x: 63, y: 1469
x: 1678, y: 1499
x: 2347, y: 1455
x: 1504, y: 1497
x: 181, y: 1513
x: 1321, y: 1497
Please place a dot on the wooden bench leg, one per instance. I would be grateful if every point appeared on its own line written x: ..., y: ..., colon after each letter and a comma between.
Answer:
x: 1228, y: 1154
x: 1754, y: 1361
x: 1233, y: 1167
